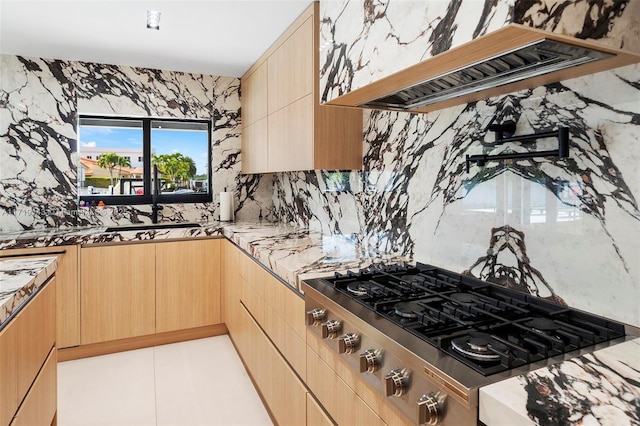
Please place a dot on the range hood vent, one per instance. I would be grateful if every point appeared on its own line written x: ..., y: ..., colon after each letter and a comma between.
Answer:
x: 510, y: 59
x: 534, y: 59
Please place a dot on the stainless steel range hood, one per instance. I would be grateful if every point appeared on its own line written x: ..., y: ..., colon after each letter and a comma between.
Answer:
x: 510, y: 59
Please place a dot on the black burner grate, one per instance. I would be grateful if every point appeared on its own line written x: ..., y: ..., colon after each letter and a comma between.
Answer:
x: 455, y: 312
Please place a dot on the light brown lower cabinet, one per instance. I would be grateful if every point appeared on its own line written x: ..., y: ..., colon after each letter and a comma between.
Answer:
x: 28, y: 362
x: 135, y: 290
x: 187, y: 284
x: 118, y: 295
x: 265, y: 319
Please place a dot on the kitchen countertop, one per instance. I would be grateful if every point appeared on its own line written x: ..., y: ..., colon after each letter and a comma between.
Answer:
x: 600, y: 388
x: 19, y: 280
x: 593, y: 388
x: 292, y: 253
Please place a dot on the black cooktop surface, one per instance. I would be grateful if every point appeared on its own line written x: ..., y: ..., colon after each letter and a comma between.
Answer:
x: 487, y: 327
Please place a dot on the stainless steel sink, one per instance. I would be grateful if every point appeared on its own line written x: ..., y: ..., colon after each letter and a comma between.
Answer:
x: 150, y: 226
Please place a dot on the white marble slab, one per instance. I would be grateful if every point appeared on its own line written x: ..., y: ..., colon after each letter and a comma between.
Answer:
x: 601, y: 388
x: 19, y: 279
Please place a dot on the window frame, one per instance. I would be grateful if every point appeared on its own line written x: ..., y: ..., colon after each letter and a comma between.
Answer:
x: 147, y: 197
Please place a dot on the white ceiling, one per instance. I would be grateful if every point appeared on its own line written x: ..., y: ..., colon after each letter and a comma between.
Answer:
x: 218, y: 37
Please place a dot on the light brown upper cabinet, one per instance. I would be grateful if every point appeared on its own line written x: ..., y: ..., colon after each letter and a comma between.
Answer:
x: 290, y: 68
x: 284, y: 126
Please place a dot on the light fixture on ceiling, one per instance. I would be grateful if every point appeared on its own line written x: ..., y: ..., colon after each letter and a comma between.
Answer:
x: 153, y: 20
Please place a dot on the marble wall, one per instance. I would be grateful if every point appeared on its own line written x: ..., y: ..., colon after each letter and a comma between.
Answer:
x: 567, y: 230
x: 41, y: 100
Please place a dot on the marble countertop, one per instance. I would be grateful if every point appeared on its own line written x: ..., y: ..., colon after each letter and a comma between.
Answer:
x: 600, y: 388
x: 19, y: 280
x: 292, y: 253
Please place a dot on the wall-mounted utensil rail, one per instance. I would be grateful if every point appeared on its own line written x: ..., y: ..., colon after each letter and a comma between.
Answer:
x: 562, y: 152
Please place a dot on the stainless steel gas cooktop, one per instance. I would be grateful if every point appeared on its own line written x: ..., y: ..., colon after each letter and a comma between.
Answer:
x: 438, y: 335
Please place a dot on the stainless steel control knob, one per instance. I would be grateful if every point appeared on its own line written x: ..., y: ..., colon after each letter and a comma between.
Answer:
x: 396, y: 382
x: 348, y: 343
x: 331, y: 329
x: 315, y: 316
x: 370, y: 361
x: 429, y: 409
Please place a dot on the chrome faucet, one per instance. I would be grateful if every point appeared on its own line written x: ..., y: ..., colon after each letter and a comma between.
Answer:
x: 154, y: 196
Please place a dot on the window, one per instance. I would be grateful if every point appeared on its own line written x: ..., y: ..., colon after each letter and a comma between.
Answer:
x: 180, y: 149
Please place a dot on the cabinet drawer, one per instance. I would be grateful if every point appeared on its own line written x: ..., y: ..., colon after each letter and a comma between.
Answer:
x: 36, y: 335
x: 283, y: 392
x: 8, y: 373
x: 40, y: 405
x: 253, y: 302
x: 292, y: 346
x: 344, y: 405
x: 286, y: 302
x: 316, y: 416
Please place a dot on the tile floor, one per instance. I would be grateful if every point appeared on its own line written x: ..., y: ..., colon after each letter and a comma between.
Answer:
x: 200, y: 382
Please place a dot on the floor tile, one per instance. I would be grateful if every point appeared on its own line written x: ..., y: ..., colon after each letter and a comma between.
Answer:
x: 116, y: 389
x: 200, y: 382
x: 203, y: 382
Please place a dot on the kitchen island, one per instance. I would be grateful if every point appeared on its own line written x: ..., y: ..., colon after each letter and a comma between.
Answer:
x: 28, y: 355
x: 294, y: 254
x: 20, y: 279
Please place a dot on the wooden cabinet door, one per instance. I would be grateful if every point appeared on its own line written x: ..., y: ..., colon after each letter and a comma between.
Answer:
x: 254, y: 95
x: 290, y: 73
x: 117, y: 292
x: 36, y: 335
x: 67, y: 299
x: 8, y: 373
x: 291, y: 137
x: 187, y: 284
x: 255, y: 146
x: 230, y: 283
x: 284, y: 322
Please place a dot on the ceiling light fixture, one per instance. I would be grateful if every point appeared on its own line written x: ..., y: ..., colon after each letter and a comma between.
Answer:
x: 153, y: 20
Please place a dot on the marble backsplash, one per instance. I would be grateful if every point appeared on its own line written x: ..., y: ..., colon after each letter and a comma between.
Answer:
x: 41, y: 100
x: 563, y: 229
